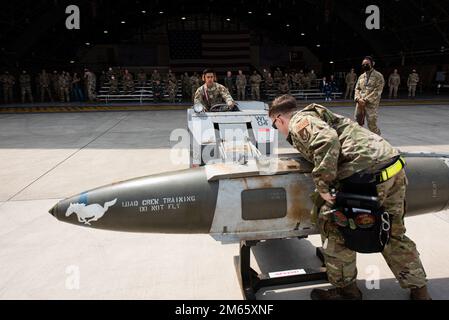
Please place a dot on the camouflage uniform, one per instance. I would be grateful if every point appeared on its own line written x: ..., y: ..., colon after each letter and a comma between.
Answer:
x: 156, y: 85
x: 312, y: 76
x: 44, y: 82
x: 255, y: 81
x: 113, y: 85
x: 350, y: 80
x: 142, y: 79
x: 240, y: 83
x: 195, y: 83
x: 393, y: 82
x: 128, y: 83
x: 8, y: 82
x: 307, y: 81
x: 369, y: 88
x: 412, y: 82
x: 64, y: 86
x: 277, y: 75
x: 215, y: 95
x: 330, y: 141
x: 25, y: 87
x: 269, y: 82
x: 91, y: 85
x: 172, y: 89
x: 229, y: 84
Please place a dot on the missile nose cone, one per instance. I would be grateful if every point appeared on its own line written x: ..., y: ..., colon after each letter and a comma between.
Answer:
x: 52, y: 211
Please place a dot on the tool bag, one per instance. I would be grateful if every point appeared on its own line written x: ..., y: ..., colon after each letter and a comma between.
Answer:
x: 363, y: 223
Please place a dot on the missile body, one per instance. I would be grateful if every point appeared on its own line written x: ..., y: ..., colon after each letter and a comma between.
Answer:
x: 233, y: 202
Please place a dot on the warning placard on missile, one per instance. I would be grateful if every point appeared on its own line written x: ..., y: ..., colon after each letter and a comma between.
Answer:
x: 161, y: 204
x: 286, y: 273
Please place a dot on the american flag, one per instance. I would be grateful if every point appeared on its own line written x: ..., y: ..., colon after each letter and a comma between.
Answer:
x: 194, y: 51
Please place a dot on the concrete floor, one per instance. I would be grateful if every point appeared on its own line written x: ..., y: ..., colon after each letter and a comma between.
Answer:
x: 47, y: 157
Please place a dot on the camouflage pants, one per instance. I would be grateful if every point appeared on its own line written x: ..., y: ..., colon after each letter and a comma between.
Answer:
x: 349, y: 90
x: 241, y: 93
x: 393, y: 92
x: 371, y: 117
x: 255, y: 92
x: 412, y: 91
x: 400, y: 253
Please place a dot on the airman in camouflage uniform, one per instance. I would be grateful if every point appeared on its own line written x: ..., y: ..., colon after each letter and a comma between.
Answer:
x: 172, y: 89
x: 330, y: 141
x: 8, y: 82
x: 240, y: 83
x: 171, y: 76
x: 350, y: 81
x: 212, y: 93
x: 312, y: 76
x: 64, y: 86
x: 90, y: 80
x: 142, y: 78
x: 186, y: 87
x: 269, y: 82
x: 113, y: 85
x: 229, y: 82
x: 44, y: 82
x: 368, y: 92
x: 277, y: 75
x: 127, y: 82
x: 156, y: 85
x: 255, y: 81
x: 412, y: 82
x: 394, y: 80
x: 195, y: 83
x: 25, y: 86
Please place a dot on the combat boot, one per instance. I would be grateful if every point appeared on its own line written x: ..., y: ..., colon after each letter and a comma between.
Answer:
x: 420, y: 294
x: 350, y: 292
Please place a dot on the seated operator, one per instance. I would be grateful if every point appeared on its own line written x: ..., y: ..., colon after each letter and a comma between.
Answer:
x: 211, y: 93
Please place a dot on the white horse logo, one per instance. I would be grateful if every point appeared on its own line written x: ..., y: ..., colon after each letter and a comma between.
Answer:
x: 89, y: 213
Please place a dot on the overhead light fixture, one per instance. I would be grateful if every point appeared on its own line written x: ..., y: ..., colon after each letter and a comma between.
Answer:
x: 72, y: 62
x: 228, y: 19
x: 269, y: 14
x: 331, y: 62
x: 250, y: 12
x: 161, y: 12
x: 106, y: 31
x: 87, y: 43
x: 143, y: 11
x: 287, y: 25
x: 183, y: 18
x: 303, y: 34
x: 123, y: 22
x: 318, y: 45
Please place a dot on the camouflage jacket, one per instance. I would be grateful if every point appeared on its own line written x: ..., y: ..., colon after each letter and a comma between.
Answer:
x: 413, y: 79
x: 369, y: 87
x: 394, y: 80
x: 212, y: 96
x: 255, y: 80
x: 240, y: 81
x: 351, y: 78
x: 337, y: 146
